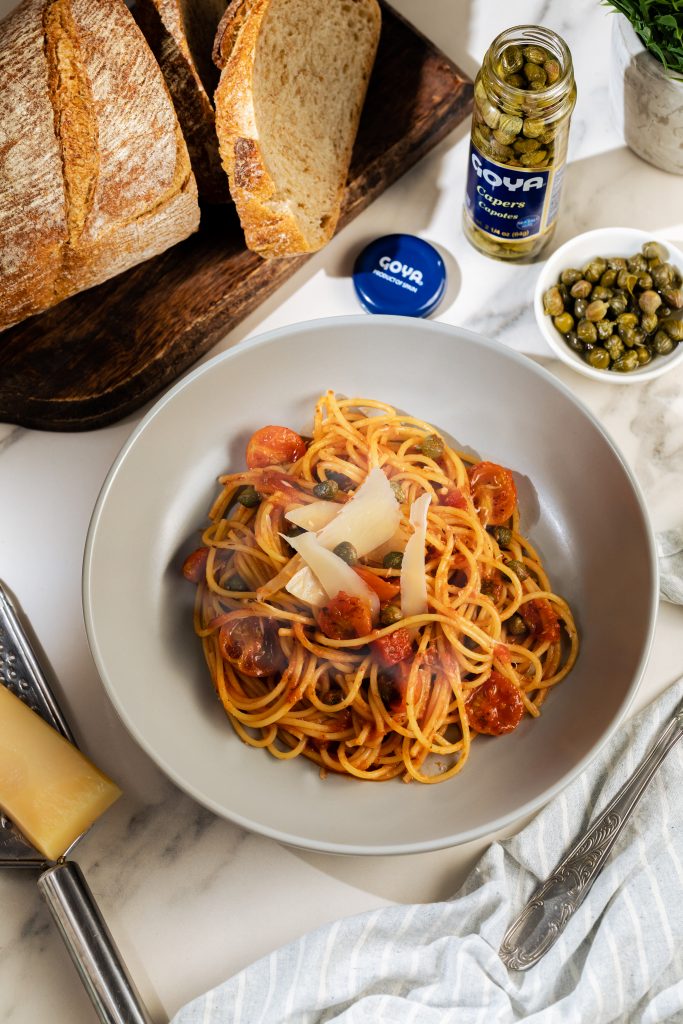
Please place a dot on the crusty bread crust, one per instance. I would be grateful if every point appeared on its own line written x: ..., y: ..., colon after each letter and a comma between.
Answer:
x: 103, y: 179
x: 163, y: 23
x: 270, y: 222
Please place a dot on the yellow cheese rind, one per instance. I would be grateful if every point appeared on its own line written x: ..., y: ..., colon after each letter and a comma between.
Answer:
x: 48, y: 788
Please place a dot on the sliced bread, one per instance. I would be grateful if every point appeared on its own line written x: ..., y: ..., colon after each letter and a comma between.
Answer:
x: 94, y: 172
x: 293, y: 82
x: 181, y: 34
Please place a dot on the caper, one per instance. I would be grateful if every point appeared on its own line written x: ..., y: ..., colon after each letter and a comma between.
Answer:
x: 480, y: 137
x: 564, y: 292
x: 674, y: 328
x: 503, y: 535
x: 535, y: 54
x: 596, y: 310
x: 663, y: 344
x: 552, y: 70
x: 627, y: 320
x: 645, y: 281
x: 574, y: 342
x: 346, y: 551
x: 393, y: 560
x: 673, y: 297
x: 552, y: 302
x: 249, y: 497
x: 614, y: 346
x: 519, y: 81
x: 594, y: 270
x: 519, y: 568
x: 533, y: 127
x: 547, y: 136
x: 637, y: 263
x: 326, y: 490
x: 649, y: 323
x: 538, y: 82
x: 236, y: 583
x: 390, y: 614
x: 431, y: 446
x: 663, y: 275
x: 511, y: 59
x: 616, y: 263
x: 570, y: 276
x: 490, y: 114
x: 644, y: 354
x: 654, y: 250
x: 618, y: 303
x: 534, y: 73
x: 600, y: 292
x: 628, y: 335
x: 292, y: 530
x: 626, y: 279
x: 628, y: 362
x: 511, y: 124
x: 587, y: 331
x: 504, y: 138
x: 581, y: 289
x: 564, y: 322
x: 399, y: 493
x: 604, y: 329
x: 505, y: 154
x: 526, y: 145
x: 516, y: 625
x: 599, y: 358
x: 533, y: 159
x: 649, y: 301
x: 580, y: 307
x: 609, y: 278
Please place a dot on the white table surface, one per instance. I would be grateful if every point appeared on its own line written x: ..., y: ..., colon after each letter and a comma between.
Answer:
x: 191, y: 898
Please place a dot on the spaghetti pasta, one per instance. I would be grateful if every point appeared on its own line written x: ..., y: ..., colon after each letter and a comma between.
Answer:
x: 446, y: 628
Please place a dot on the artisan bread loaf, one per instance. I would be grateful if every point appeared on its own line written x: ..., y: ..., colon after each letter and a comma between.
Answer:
x: 94, y: 172
x: 180, y: 34
x: 293, y: 82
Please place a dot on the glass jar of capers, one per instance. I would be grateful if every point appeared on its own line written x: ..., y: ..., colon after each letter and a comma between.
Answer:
x: 617, y: 312
x: 524, y: 95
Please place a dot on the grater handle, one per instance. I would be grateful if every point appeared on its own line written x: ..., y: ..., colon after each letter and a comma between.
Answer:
x: 91, y: 945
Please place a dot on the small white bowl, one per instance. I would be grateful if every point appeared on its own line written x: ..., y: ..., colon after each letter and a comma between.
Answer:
x: 576, y: 253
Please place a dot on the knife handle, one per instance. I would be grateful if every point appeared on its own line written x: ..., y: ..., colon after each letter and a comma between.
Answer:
x: 91, y: 945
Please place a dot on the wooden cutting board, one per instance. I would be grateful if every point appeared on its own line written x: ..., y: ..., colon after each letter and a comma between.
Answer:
x: 105, y: 352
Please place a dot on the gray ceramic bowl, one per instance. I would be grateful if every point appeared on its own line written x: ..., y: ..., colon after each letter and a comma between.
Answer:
x: 573, y: 486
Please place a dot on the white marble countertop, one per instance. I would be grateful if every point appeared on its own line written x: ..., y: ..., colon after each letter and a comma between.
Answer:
x: 191, y: 898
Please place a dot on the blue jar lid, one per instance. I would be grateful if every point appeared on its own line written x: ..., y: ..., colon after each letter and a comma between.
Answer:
x: 400, y: 274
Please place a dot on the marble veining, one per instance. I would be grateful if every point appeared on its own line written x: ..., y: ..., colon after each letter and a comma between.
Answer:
x: 191, y: 898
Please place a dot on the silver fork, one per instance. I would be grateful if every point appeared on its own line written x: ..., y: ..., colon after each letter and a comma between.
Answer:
x: 544, y: 917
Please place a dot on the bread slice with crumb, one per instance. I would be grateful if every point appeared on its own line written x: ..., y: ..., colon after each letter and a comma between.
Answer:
x: 294, y: 74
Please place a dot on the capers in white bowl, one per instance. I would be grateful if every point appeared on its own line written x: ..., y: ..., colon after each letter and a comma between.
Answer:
x: 607, y: 302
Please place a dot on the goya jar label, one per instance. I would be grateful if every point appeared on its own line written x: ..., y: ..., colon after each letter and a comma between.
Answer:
x: 511, y: 202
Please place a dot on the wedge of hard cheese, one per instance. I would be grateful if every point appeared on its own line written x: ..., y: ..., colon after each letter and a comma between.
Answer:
x: 48, y: 789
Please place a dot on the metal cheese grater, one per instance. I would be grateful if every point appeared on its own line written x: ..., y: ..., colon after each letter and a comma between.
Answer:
x: 63, y: 885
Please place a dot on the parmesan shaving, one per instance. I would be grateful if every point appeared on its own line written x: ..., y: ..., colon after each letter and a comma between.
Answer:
x: 314, y: 516
x: 413, y: 577
x: 369, y: 519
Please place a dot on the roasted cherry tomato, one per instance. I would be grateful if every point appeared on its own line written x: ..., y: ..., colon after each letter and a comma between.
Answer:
x: 493, y: 492
x: 541, y: 619
x: 345, y: 617
x: 274, y: 446
x: 496, y: 707
x: 454, y: 499
x: 385, y: 590
x: 194, y: 566
x: 251, y: 645
x: 393, y: 647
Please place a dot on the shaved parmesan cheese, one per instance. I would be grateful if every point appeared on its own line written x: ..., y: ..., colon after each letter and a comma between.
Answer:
x: 368, y: 520
x: 413, y: 579
x: 305, y: 586
x: 332, y: 572
x: 314, y: 516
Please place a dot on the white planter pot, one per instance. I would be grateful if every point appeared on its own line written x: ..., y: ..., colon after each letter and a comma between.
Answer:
x: 648, y: 105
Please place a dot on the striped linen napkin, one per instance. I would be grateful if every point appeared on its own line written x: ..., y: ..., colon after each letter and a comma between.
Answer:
x: 620, y: 958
